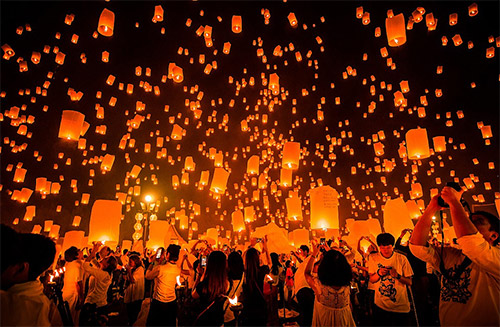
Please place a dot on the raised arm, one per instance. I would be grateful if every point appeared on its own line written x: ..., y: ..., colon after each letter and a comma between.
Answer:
x: 421, y: 231
x: 461, y: 222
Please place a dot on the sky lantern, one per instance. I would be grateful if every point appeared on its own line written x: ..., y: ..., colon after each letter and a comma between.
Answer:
x: 378, y: 147
x: 73, y: 238
x: 71, y: 125
x: 157, y: 231
x: 236, y: 24
x: 417, y: 144
x: 136, y: 170
x: 396, y: 217
x: 106, y: 23
x: 396, y: 30
x: 19, y: 175
x: 486, y: 132
x: 249, y: 214
x: 300, y: 237
x: 286, y: 177
x: 76, y: 221
x: 253, y: 165
x: 177, y: 132
x: 416, y: 190
x: 473, y: 10
x: 293, y: 208
x: 158, y: 15
x: 30, y: 213
x: 292, y: 19
x: 54, y: 231
x: 189, y: 164
x: 105, y: 219
x: 439, y: 143
x: 413, y: 209
x: 291, y: 155
x: 47, y: 225
x: 107, y: 162
x: 178, y: 74
x: 324, y: 207
x: 238, y: 221
x: 36, y: 229
x: 274, y: 83
x: 365, y: 19
x: 219, y: 181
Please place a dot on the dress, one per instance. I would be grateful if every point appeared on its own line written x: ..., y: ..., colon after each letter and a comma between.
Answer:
x: 331, y: 306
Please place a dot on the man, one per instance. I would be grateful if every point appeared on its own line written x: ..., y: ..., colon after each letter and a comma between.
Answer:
x: 163, y: 309
x: 24, y: 303
x: 470, y: 276
x: 391, y: 272
x: 303, y: 293
x: 73, y: 286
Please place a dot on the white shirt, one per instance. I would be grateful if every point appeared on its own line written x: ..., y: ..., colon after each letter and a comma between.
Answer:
x: 135, y: 291
x: 165, y: 277
x: 25, y: 305
x: 300, y: 277
x: 72, y: 275
x: 474, y: 299
x: 98, y: 285
x: 390, y: 293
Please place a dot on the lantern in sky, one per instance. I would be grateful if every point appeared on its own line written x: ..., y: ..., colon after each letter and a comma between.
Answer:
x: 157, y: 231
x: 238, y: 221
x: 219, y: 180
x: 71, y: 125
x: 73, y: 238
x: 300, y: 237
x: 286, y: 177
x: 396, y: 30
x: 439, y: 143
x: 158, y: 15
x: 177, y: 132
x: 253, y: 165
x: 236, y: 24
x: 106, y: 23
x: 291, y: 155
x: 417, y: 144
x: 324, y: 207
x: 19, y: 175
x: 293, y: 208
x: 396, y: 217
x: 178, y: 74
x: 54, y: 231
x: 105, y: 219
x: 292, y: 19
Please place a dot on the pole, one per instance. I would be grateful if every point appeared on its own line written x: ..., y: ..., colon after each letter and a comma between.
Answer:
x: 414, y: 307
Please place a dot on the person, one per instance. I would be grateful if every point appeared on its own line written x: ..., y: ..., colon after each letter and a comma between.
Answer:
x: 254, y: 311
x: 134, y: 290
x: 288, y: 281
x: 100, y: 279
x: 72, y: 290
x: 469, y: 276
x: 212, y: 290
x: 303, y: 292
x: 331, y: 289
x: 235, y: 275
x: 273, y: 285
x: 22, y: 300
x: 163, y: 308
x: 391, y: 271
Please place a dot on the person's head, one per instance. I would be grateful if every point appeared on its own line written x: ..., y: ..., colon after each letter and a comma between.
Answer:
x: 216, y: 274
x: 488, y: 225
x: 334, y: 270
x: 275, y: 259
x: 104, y: 252
x: 252, y: 264
x: 304, y: 249
x: 108, y: 264
x: 134, y: 261
x: 235, y: 266
x: 288, y: 264
x: 385, y: 242
x: 125, y: 251
x: 173, y: 252
x: 71, y: 254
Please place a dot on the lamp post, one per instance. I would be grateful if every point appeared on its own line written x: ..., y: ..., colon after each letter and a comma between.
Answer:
x: 144, y: 216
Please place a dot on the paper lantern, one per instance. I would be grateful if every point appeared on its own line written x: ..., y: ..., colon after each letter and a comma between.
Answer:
x: 238, y: 221
x: 253, y: 165
x: 413, y: 209
x: 324, y: 207
x: 378, y: 147
x: 176, y: 132
x: 291, y: 155
x: 158, y: 229
x: 107, y: 162
x: 286, y: 177
x: 213, y: 234
x: 54, y: 231
x: 36, y: 229
x: 292, y: 19
x: 105, y: 219
x: 158, y: 15
x: 473, y: 10
x: 365, y: 19
x: 396, y: 217
x: 73, y: 238
x: 136, y: 170
x: 178, y: 74
x: 189, y: 164
x: 293, y: 208
x: 71, y: 125
x: 300, y: 237
x: 47, y: 225
x: 219, y: 181
x: 249, y: 214
x: 396, y: 30
x: 36, y: 57
x: 30, y: 213
x: 19, y: 175
x: 417, y: 144
x: 106, y: 23
x: 76, y: 221
x: 274, y: 83
x: 486, y: 132
x: 236, y: 25
x: 439, y: 143
x: 416, y: 190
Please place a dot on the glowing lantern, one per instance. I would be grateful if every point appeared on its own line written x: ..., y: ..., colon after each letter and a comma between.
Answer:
x: 106, y: 23
x: 236, y: 24
x: 490, y: 52
x: 285, y: 177
x: 486, y: 132
x: 73, y: 238
x: 158, y: 15
x: 378, y: 147
x: 473, y: 10
x: 291, y: 155
x: 107, y: 162
x: 178, y: 74
x: 413, y: 209
x: 396, y: 30
x: 60, y: 58
x: 366, y: 18
x: 136, y: 170
x: 416, y: 190
x: 457, y: 40
x: 30, y: 213
x: 219, y: 180
x: 396, y: 217
x: 54, y: 231
x: 47, y: 225
x: 71, y: 125
x: 19, y: 175
x: 293, y: 208
x: 324, y: 207
x: 453, y: 19
x: 105, y: 219
x: 253, y: 165
x: 439, y: 143
x: 36, y: 229
x: 417, y: 144
x: 405, y: 88
x: 300, y: 237
x: 76, y: 221
x: 177, y: 132
x: 158, y: 229
x: 238, y: 221
x: 249, y: 214
x: 189, y: 163
x: 274, y: 83
x: 292, y: 19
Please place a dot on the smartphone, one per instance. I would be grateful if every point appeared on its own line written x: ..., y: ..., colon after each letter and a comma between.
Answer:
x: 259, y: 240
x: 322, y: 241
x: 203, y: 261
x: 158, y: 253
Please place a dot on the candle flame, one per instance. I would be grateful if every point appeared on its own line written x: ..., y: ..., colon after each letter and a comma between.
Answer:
x: 179, y: 280
x: 234, y: 301
x: 270, y: 278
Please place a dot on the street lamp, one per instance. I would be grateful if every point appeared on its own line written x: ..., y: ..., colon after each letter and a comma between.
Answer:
x: 144, y: 216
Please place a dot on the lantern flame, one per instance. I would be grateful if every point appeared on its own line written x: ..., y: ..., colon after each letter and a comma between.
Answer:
x: 178, y: 278
x: 234, y: 301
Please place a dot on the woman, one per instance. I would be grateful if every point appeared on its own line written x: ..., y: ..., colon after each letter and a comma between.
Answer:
x: 73, y: 288
x: 212, y: 290
x: 235, y: 269
x: 331, y: 289
x: 289, y: 282
x: 272, y: 286
x: 134, y: 291
x: 99, y: 282
x: 254, y: 311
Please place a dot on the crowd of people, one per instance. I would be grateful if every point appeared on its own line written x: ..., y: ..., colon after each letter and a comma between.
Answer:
x: 326, y: 283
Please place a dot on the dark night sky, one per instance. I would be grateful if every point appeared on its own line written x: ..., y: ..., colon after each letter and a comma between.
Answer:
x: 345, y: 40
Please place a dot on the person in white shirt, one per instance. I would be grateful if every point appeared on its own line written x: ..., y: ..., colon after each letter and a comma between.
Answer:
x: 163, y: 308
x: 101, y: 274
x: 134, y: 291
x: 73, y: 288
x: 303, y: 292
x: 469, y: 276
x: 391, y: 272
x: 24, y: 258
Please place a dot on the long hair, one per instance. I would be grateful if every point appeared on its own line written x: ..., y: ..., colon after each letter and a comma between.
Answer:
x: 216, y: 275
x: 235, y: 266
x: 137, y: 261
x: 252, y: 264
x: 275, y: 259
x: 334, y: 270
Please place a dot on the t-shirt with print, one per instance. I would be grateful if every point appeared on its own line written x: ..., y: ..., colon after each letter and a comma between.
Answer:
x: 390, y: 293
